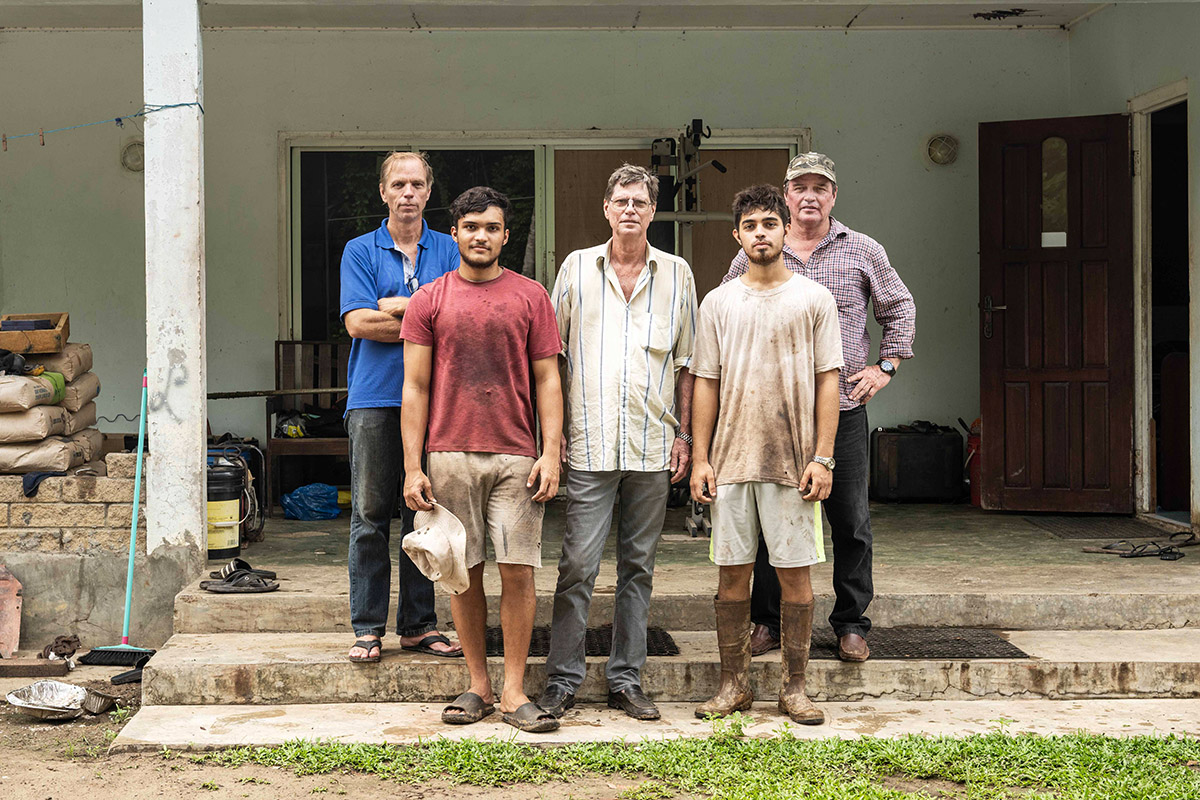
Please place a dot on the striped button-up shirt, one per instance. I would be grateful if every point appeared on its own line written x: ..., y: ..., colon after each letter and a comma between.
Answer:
x: 855, y: 269
x: 623, y: 357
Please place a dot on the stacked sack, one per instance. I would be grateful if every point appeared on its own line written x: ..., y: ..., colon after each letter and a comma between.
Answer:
x: 46, y: 420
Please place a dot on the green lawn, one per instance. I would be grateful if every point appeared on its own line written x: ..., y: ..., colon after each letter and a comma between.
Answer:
x: 991, y: 766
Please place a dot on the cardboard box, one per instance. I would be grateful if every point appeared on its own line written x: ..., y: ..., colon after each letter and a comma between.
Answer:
x: 50, y: 341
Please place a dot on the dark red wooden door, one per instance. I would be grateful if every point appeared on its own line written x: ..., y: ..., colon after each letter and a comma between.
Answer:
x: 1056, y: 314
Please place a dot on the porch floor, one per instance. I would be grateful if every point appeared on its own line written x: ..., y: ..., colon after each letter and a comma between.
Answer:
x: 934, y: 565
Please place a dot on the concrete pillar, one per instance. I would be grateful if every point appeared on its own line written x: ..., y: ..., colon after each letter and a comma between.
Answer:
x: 175, y: 331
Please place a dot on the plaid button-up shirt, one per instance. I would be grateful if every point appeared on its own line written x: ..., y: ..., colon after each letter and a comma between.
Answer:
x: 855, y: 268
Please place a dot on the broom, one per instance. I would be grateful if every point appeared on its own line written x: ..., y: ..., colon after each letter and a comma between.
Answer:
x: 125, y: 654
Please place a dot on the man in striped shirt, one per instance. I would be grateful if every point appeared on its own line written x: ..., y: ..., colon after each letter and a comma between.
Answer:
x: 855, y: 268
x: 626, y: 312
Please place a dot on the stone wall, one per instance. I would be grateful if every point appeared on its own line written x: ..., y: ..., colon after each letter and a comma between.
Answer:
x: 75, y: 514
x: 69, y: 547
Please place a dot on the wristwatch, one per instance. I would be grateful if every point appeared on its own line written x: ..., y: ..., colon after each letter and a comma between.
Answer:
x: 686, y: 437
x: 827, y: 463
x: 888, y: 367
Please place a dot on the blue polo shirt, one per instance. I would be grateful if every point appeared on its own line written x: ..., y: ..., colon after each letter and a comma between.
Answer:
x: 372, y: 268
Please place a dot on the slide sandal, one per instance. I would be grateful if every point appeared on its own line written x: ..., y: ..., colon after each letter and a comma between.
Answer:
x: 467, y: 708
x: 240, y: 583
x: 532, y: 719
x: 241, y: 565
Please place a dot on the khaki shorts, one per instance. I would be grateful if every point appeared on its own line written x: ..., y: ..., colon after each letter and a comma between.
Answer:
x: 790, y: 525
x: 487, y: 492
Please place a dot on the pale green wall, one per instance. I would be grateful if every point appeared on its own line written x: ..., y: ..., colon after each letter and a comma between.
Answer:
x: 70, y: 219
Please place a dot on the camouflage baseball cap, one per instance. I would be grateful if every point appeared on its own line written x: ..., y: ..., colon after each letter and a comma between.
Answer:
x: 811, y: 164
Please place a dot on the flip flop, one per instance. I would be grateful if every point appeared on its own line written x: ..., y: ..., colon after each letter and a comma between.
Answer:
x: 241, y: 565
x: 240, y: 583
x: 1155, y: 550
x: 472, y: 707
x: 424, y: 646
x: 368, y: 645
x: 1171, y: 553
x: 532, y: 719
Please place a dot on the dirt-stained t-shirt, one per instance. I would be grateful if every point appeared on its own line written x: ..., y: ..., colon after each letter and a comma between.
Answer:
x: 484, y: 338
x: 766, y: 348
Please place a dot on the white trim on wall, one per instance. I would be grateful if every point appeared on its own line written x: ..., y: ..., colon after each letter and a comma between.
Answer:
x: 1140, y: 109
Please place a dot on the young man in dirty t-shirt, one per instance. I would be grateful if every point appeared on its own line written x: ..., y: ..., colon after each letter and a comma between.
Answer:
x: 764, y: 417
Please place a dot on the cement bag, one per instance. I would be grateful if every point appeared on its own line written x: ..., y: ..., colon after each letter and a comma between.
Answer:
x: 81, y: 419
x: 33, y: 425
x: 23, y: 392
x: 92, y: 442
x: 81, y: 391
x: 57, y: 453
x: 73, y: 361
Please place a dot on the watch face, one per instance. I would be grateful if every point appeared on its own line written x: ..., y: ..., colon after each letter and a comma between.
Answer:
x: 887, y: 367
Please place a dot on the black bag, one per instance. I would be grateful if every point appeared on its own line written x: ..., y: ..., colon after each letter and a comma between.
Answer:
x: 917, y: 462
x: 11, y: 363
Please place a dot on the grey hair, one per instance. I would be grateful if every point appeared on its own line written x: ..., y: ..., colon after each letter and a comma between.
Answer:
x: 629, y: 174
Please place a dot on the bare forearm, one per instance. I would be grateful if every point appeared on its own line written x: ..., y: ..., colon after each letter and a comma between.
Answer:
x: 683, y: 399
x: 827, y: 412
x: 414, y: 418
x: 378, y: 326
x: 705, y: 402
x: 550, y: 411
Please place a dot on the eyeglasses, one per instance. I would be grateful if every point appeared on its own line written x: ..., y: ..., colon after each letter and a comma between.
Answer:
x: 622, y: 203
x: 411, y: 284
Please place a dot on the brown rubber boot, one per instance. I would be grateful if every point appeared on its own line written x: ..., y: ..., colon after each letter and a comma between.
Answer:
x: 795, y: 631
x: 733, y: 640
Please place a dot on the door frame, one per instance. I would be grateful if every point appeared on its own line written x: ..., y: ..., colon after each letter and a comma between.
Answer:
x: 1140, y: 108
x: 290, y: 144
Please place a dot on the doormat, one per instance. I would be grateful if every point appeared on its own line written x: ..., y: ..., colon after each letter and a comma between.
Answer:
x: 596, y: 642
x: 894, y: 644
x: 1101, y: 527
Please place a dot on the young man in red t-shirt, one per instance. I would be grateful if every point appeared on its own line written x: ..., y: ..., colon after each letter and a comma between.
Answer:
x: 480, y: 345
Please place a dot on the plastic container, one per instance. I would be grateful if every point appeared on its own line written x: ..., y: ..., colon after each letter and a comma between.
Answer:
x: 226, y: 483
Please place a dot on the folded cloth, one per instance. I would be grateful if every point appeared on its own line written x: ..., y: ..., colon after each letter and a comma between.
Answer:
x: 438, y: 547
x: 32, y: 480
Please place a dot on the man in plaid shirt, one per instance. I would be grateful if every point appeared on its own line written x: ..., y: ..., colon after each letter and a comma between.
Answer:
x: 855, y: 268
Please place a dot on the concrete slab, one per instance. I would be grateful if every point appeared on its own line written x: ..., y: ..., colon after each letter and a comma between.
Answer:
x: 935, y: 565
x: 199, y: 728
x: 194, y: 669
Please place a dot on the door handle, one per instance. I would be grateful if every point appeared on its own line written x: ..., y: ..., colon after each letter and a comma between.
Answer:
x: 988, y: 308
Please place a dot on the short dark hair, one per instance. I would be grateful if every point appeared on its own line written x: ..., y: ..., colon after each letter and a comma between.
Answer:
x: 478, y: 199
x: 761, y: 197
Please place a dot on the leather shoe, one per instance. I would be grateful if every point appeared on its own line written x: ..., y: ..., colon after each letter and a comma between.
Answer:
x: 852, y: 647
x: 634, y: 703
x: 762, y: 641
x: 556, y: 700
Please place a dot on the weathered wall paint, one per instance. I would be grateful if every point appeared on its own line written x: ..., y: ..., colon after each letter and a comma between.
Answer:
x: 71, y: 218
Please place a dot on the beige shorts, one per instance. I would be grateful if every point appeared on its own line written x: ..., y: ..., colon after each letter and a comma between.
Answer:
x: 487, y: 492
x: 790, y: 525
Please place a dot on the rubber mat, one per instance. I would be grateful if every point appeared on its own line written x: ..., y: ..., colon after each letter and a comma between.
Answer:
x: 894, y: 644
x: 597, y: 642
x: 1098, y: 527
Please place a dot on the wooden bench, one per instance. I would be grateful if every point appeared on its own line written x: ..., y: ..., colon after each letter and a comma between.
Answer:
x: 308, y: 374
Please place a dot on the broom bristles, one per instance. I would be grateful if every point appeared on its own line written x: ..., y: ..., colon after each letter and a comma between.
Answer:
x: 121, y: 655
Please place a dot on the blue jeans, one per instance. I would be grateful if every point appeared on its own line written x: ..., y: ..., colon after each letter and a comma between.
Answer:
x: 849, y: 514
x: 641, y: 508
x: 376, y: 469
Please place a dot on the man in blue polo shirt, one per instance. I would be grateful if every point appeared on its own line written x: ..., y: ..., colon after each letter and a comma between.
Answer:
x: 380, y: 272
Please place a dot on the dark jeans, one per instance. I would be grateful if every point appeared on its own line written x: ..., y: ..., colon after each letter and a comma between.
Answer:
x: 849, y: 516
x: 376, y: 469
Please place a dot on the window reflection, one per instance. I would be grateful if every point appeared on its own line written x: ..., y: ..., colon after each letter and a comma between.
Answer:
x: 1054, y: 192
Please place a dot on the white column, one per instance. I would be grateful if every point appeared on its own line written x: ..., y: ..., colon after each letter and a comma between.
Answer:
x: 175, y: 330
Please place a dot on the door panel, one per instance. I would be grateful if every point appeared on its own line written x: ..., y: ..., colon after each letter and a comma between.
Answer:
x: 1057, y: 368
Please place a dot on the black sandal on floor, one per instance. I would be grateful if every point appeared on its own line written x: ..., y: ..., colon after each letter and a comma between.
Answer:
x: 368, y: 645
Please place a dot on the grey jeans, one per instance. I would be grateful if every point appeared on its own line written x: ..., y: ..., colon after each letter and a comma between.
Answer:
x: 641, y: 499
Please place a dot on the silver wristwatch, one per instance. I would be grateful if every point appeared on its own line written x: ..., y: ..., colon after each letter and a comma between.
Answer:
x: 685, y: 437
x: 827, y: 463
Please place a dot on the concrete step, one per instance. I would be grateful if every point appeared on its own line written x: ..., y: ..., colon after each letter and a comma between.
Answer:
x: 200, y: 728
x: 278, y: 668
x: 314, y: 599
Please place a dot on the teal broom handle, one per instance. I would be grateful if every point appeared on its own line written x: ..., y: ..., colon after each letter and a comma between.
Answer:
x: 133, y: 518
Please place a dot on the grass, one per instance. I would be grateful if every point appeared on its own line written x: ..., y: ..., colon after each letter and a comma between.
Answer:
x: 993, y: 766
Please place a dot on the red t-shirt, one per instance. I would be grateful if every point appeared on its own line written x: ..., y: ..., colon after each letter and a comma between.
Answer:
x: 484, y: 337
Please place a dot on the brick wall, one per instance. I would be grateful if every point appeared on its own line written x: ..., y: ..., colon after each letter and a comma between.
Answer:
x: 78, y: 514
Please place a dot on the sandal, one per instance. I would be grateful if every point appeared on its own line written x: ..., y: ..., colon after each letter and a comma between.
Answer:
x: 532, y: 719
x: 1113, y: 548
x: 467, y: 708
x: 240, y: 583
x: 368, y: 645
x: 425, y: 646
x: 241, y: 565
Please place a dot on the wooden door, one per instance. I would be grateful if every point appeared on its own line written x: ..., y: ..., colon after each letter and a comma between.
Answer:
x: 1056, y: 315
